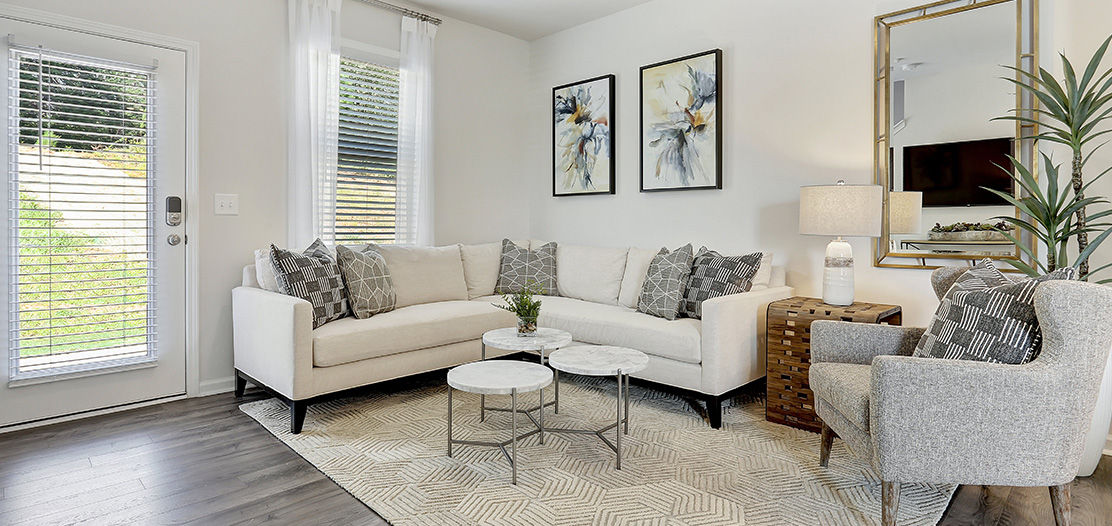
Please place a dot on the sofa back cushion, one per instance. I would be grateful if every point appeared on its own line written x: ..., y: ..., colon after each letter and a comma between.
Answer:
x: 480, y: 267
x: 425, y: 274
x: 590, y: 273
x: 636, y: 268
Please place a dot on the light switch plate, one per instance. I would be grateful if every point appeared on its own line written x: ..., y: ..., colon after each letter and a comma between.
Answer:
x: 226, y: 204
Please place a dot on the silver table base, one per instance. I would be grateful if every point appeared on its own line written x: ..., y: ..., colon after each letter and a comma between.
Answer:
x: 511, y: 455
x: 620, y: 425
x: 554, y: 403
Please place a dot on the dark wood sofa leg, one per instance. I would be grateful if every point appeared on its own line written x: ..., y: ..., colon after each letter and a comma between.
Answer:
x: 241, y: 385
x: 297, y: 415
x: 714, y: 411
x: 890, y: 502
x: 1060, y: 501
x: 824, y: 448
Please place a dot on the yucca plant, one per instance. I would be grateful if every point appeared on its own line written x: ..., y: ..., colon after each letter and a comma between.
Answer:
x: 1071, y: 112
x: 1048, y: 216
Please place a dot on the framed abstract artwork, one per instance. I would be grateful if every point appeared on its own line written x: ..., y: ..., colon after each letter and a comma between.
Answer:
x: 681, y: 140
x: 582, y: 128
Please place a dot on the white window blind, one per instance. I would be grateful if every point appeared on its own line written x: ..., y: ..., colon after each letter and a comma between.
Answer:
x: 366, y: 188
x: 81, y: 281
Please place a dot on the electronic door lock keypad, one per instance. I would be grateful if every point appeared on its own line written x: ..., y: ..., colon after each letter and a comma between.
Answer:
x: 173, y: 210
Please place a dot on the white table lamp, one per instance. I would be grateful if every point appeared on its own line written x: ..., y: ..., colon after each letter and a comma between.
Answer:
x: 840, y: 210
x: 905, y: 212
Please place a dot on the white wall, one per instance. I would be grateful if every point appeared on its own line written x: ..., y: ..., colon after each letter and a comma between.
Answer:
x: 797, y: 110
x: 242, y: 130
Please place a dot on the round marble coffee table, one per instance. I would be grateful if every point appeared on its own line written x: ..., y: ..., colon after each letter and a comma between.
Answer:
x: 500, y: 377
x: 602, y: 360
x: 545, y: 340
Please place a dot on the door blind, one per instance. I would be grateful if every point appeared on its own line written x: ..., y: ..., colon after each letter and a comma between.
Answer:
x: 81, y: 146
x: 366, y: 188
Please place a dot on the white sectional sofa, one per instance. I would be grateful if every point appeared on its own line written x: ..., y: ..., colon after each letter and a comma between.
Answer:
x: 444, y: 297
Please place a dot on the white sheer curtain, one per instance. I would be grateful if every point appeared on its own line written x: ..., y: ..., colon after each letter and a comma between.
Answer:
x: 314, y: 105
x: 414, y: 205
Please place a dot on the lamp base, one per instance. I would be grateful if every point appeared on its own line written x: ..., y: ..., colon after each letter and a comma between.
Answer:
x: 837, y: 274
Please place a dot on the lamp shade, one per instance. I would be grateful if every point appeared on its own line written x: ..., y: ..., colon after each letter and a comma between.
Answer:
x: 841, y: 210
x: 905, y: 212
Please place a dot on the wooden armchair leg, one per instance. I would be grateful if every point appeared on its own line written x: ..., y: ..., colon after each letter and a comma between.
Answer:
x: 890, y: 502
x: 1060, y: 501
x: 827, y: 442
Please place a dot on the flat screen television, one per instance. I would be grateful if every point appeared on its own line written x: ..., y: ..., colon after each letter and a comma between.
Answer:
x: 953, y: 174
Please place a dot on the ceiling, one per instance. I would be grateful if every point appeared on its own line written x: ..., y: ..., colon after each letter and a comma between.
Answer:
x: 526, y: 19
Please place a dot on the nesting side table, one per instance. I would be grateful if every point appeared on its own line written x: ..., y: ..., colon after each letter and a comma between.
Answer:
x: 544, y: 341
x: 500, y: 377
x: 601, y: 360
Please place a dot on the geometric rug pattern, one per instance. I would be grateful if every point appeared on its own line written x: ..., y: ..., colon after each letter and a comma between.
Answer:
x: 389, y: 449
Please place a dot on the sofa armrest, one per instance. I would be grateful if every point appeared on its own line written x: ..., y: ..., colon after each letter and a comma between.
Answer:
x: 851, y: 342
x: 733, y: 338
x: 959, y: 421
x: 273, y: 340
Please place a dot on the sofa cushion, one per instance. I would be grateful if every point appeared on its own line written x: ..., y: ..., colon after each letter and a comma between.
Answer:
x: 522, y: 269
x: 763, y: 277
x: 662, y: 292
x: 264, y: 271
x: 846, y: 387
x: 425, y: 274
x: 633, y: 279
x: 480, y: 267
x: 405, y: 329
x: 590, y: 273
x: 600, y: 324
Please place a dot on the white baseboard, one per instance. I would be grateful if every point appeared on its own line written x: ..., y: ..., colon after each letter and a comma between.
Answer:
x: 217, y: 386
x: 88, y: 414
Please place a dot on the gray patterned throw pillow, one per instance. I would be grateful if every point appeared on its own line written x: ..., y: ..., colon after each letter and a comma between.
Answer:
x: 663, y: 289
x: 367, y: 279
x: 994, y: 324
x: 981, y: 276
x: 523, y: 268
x: 312, y: 276
x: 714, y: 275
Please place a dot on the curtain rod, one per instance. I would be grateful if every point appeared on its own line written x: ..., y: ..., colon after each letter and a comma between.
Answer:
x: 408, y: 12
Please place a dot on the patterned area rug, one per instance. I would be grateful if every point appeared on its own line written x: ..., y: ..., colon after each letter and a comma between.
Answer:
x: 389, y: 450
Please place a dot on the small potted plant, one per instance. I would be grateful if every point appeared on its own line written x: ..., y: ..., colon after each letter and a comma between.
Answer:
x: 525, y: 307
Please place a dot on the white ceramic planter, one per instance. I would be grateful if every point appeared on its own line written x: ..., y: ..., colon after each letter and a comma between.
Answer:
x: 1098, y: 430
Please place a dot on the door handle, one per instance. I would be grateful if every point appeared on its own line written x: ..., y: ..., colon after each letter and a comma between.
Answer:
x: 173, y: 239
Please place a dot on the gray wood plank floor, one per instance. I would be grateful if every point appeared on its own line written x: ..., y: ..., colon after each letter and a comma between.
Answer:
x: 202, y: 461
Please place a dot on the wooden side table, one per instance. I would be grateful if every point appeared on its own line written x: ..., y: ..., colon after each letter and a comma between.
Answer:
x: 788, y: 353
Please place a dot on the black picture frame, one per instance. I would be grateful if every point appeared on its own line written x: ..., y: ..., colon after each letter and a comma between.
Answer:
x: 610, y: 79
x: 717, y: 121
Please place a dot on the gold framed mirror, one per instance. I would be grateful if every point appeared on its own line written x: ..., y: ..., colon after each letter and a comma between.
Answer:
x: 937, y: 88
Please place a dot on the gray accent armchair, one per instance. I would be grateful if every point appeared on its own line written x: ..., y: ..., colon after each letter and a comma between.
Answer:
x: 929, y: 420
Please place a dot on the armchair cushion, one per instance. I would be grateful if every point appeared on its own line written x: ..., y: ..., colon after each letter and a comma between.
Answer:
x: 846, y: 387
x: 995, y: 324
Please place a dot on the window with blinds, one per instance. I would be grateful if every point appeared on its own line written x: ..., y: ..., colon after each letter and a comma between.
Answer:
x: 366, y: 188
x: 80, y: 203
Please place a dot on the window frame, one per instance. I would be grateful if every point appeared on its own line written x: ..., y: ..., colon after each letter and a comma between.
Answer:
x: 376, y: 55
